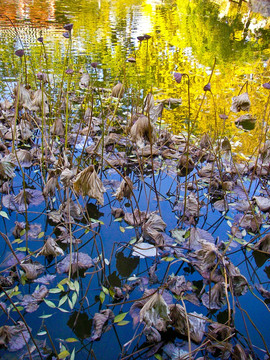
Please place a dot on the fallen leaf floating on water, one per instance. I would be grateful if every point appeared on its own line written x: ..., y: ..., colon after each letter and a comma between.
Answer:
x: 77, y: 261
x: 142, y: 130
x: 88, y: 183
x: 32, y: 269
x: 155, y: 312
x: 31, y: 302
x: 100, y: 321
x: 125, y: 189
x: 118, y: 90
x: 21, y: 201
x: 14, y: 337
x: 50, y: 248
x: 240, y: 103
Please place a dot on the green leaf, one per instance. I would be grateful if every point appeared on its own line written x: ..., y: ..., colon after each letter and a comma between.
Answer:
x: 21, y: 249
x: 120, y: 317
x: 63, y: 310
x: 129, y: 227
x: 122, y: 323
x: 70, y: 304
x: 105, y: 290
x: 122, y: 229
x: 118, y: 219
x: 168, y: 258
x: 62, y: 300
x: 4, y: 214
x: 77, y: 286
x: 71, y: 340
x: 74, y: 298
x: 40, y: 235
x: 22, y: 232
x: 72, y: 356
x: 41, y: 333
x: 45, y: 316
x: 102, y: 297
x: 63, y: 354
x: 158, y: 357
x: 49, y: 303
x: 55, y: 291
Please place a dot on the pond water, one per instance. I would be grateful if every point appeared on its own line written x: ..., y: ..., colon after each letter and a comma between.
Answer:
x: 203, y: 221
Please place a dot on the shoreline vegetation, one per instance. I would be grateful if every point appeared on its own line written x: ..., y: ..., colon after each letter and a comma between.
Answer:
x: 177, y: 282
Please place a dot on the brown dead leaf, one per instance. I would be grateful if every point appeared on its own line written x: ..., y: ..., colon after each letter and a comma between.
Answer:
x: 124, y: 190
x: 142, y: 130
x: 50, y: 248
x: 240, y: 103
x: 99, y: 323
x: 88, y: 183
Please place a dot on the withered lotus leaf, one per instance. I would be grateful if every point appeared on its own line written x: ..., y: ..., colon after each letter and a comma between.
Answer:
x: 77, y: 261
x: 195, y: 326
x: 99, y: 323
x: 23, y: 96
x: 32, y: 269
x: 24, y: 157
x: 240, y: 103
x: 118, y: 90
x: 152, y: 335
x: 155, y: 312
x: 40, y: 102
x: 125, y: 189
x: 31, y: 302
x: 136, y: 218
x: 142, y: 130
x: 84, y: 81
x: 66, y: 176
x: 88, y: 183
x: 58, y: 127
x: 7, y: 169
x: 215, y: 298
x: 262, y: 202
x: 263, y: 244
x: 50, y: 248
x: 14, y: 337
